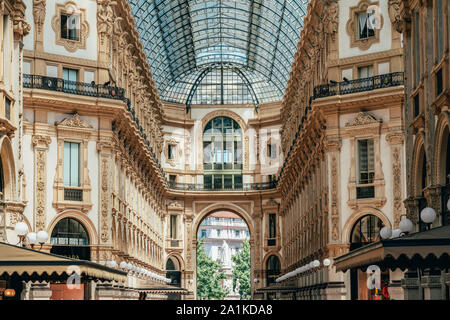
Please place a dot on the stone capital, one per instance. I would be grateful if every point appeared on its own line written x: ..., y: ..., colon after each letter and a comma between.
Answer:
x: 41, y: 141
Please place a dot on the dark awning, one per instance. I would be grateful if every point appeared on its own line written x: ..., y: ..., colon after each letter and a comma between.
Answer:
x: 157, y: 288
x: 427, y: 249
x: 41, y: 265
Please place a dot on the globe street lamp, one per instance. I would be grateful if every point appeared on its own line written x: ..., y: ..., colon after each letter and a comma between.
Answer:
x: 21, y: 229
x: 428, y: 215
x: 406, y: 225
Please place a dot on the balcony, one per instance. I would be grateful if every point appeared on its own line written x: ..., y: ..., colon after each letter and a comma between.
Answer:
x: 79, y: 88
x: 32, y: 81
x: 359, y: 85
x: 236, y: 187
x: 73, y: 194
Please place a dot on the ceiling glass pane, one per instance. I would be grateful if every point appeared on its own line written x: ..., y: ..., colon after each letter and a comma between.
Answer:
x: 223, y: 51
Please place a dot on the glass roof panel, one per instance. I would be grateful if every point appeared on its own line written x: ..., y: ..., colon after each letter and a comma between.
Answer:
x: 191, y: 44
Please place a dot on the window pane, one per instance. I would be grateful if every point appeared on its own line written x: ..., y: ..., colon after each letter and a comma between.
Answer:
x: 74, y: 165
x: 272, y: 225
x: 217, y: 181
x: 66, y: 164
x: 207, y: 181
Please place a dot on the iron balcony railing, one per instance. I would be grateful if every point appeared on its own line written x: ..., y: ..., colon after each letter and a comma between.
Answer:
x: 359, y: 85
x: 73, y: 194
x: 237, y: 187
x: 33, y: 81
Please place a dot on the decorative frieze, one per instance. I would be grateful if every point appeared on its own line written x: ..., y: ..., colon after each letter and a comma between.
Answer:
x: 40, y: 144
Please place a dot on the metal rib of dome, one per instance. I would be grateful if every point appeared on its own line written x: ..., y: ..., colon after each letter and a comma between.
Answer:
x: 207, y: 52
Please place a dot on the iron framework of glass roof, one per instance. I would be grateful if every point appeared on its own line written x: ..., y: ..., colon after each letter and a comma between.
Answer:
x: 220, y: 52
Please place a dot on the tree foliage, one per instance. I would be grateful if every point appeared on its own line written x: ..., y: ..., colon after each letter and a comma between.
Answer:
x: 241, y: 270
x: 208, y: 276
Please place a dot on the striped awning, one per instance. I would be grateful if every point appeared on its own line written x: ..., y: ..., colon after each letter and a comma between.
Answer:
x: 40, y: 265
x: 422, y: 249
x: 159, y: 288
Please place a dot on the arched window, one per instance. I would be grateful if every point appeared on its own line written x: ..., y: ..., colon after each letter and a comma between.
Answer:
x: 273, y: 269
x: 70, y: 238
x: 366, y: 230
x: 173, y: 271
x: 446, y: 189
x: 222, y: 154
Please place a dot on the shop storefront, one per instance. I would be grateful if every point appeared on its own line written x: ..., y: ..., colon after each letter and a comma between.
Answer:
x: 422, y: 259
x: 33, y: 274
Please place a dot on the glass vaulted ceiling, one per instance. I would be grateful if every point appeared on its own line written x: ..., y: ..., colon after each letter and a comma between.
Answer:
x: 220, y: 52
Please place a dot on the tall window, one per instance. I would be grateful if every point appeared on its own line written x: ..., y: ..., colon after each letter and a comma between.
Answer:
x: 366, y: 161
x: 222, y: 154
x: 271, y: 151
x: 366, y: 169
x: 366, y: 25
x: 366, y: 230
x: 365, y: 72
x: 70, y: 77
x: 439, y: 13
x: 71, y: 164
x: 173, y: 226
x: 416, y: 48
x: 171, y: 151
x: 7, y: 108
x: 271, y: 241
x: 70, y: 26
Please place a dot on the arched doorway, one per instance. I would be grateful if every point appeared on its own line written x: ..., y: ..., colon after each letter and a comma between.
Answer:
x: 443, y: 170
x: 173, y: 271
x: 365, y: 231
x: 70, y: 238
x: 223, y: 264
x: 273, y: 269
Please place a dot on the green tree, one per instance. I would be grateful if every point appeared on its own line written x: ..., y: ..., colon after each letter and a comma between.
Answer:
x: 241, y: 270
x: 208, y: 276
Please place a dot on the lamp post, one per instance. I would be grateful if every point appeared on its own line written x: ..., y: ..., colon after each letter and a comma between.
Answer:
x: 30, y: 238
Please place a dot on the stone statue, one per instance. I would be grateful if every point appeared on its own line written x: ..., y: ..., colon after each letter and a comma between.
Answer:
x: 226, y: 256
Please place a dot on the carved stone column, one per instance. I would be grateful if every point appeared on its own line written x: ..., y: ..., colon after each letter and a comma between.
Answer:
x: 333, y: 148
x: 412, y: 209
x: 105, y: 149
x: 395, y: 140
x: 40, y: 144
x: 39, y: 18
x: 433, y: 196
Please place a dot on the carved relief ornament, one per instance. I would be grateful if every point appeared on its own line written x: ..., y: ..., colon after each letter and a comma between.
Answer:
x: 20, y: 27
x: 74, y: 122
x: 362, y: 119
x: 83, y: 27
x: 39, y: 14
x: 395, y: 15
x: 331, y: 20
